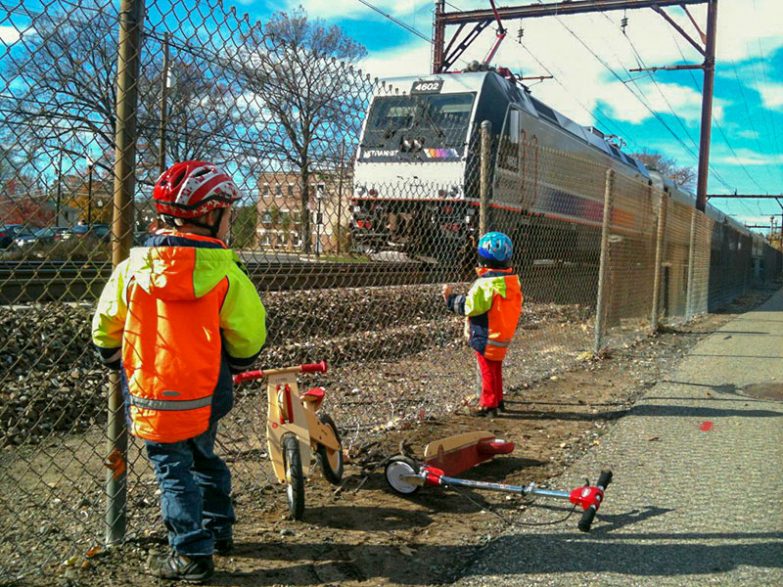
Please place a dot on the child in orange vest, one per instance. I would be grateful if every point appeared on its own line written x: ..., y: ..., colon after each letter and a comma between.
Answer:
x: 178, y: 317
x: 493, y: 306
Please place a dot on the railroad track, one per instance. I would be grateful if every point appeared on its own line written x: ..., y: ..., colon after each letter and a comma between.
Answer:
x: 38, y: 281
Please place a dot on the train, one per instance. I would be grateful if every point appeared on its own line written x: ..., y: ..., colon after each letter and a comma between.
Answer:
x: 416, y: 179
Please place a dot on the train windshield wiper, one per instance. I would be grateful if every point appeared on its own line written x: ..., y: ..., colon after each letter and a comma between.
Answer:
x: 424, y: 109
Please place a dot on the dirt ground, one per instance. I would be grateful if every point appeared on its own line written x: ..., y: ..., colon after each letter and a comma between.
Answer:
x: 363, y: 534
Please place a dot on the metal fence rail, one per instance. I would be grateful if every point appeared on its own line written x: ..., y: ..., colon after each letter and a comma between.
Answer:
x: 349, y: 272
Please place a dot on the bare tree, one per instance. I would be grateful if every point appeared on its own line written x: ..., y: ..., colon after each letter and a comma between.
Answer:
x: 309, y: 98
x: 682, y: 176
x: 65, y: 100
x: 63, y: 84
x: 203, y: 112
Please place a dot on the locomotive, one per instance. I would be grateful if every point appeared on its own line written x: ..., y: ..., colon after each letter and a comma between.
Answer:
x: 417, y: 168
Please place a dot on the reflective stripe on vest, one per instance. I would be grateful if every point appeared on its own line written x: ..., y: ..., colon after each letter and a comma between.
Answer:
x: 498, y: 343
x: 169, y: 405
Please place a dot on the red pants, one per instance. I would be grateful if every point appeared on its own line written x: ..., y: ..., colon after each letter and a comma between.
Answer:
x: 491, y: 382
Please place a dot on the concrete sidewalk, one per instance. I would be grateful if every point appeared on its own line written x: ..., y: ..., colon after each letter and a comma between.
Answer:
x: 697, y: 497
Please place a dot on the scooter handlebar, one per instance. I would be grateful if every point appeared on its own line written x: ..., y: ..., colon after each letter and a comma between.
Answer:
x: 589, y: 514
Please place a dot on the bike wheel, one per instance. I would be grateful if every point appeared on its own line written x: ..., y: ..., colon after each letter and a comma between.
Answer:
x: 331, y: 460
x: 295, y: 489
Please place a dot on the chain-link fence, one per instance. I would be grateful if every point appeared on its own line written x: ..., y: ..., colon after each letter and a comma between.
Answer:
x: 346, y: 233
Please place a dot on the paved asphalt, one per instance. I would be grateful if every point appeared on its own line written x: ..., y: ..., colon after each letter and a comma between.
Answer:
x: 697, y: 497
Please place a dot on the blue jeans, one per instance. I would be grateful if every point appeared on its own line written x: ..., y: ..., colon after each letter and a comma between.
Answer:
x: 195, y: 489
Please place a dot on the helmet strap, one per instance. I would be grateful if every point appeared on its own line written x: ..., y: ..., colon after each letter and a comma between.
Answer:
x: 212, y: 228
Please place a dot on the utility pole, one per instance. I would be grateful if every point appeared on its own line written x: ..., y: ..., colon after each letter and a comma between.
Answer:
x: 445, y: 56
x: 164, y: 95
x: 340, y: 194
x: 735, y: 196
x: 59, y: 189
x: 706, y: 105
x: 90, y: 165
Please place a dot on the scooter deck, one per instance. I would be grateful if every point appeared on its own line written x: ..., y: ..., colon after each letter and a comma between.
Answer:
x: 456, y: 454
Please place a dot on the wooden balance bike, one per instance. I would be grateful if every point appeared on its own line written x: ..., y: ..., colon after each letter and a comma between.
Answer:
x: 295, y: 432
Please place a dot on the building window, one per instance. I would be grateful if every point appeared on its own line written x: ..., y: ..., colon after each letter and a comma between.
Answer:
x: 265, y: 191
x: 290, y: 189
x: 278, y: 190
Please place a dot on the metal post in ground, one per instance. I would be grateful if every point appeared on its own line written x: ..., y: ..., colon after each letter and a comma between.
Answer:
x: 128, y: 60
x: 691, y: 266
x: 486, y: 168
x: 603, y: 268
x: 660, y: 234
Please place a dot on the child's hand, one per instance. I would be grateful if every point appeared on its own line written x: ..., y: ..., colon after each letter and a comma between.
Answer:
x: 447, y: 291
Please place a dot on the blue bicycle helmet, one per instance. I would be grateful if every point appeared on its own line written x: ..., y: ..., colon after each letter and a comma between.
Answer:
x: 495, y: 248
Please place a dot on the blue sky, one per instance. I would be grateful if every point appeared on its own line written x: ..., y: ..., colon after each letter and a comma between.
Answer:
x: 659, y: 111
x: 747, y: 138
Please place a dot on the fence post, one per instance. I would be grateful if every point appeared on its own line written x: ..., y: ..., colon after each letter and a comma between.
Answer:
x: 691, y: 267
x: 660, y: 233
x: 601, y: 302
x: 486, y: 167
x: 128, y: 60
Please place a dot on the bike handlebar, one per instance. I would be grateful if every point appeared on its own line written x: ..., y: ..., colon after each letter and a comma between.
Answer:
x: 320, y: 367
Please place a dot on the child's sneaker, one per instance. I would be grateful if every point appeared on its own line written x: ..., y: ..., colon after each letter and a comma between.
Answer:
x: 224, y: 546
x: 486, y: 413
x: 180, y: 567
x: 502, y: 406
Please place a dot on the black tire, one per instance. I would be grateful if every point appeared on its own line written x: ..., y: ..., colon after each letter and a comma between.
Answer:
x: 295, y: 487
x: 331, y: 460
x: 396, y: 467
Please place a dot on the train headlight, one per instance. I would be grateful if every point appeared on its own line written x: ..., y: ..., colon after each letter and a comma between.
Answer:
x: 407, y: 145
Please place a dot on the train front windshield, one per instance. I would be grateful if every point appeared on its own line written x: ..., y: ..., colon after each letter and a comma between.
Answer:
x: 439, y: 121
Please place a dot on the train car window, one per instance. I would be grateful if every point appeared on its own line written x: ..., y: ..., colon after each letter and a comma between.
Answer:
x: 545, y: 111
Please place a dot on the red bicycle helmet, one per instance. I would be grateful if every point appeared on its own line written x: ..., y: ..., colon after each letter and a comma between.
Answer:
x: 192, y: 188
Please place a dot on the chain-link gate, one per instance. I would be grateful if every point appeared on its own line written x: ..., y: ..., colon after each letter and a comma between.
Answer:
x: 348, y: 264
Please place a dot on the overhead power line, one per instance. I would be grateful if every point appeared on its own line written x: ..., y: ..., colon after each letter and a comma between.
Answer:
x: 396, y: 21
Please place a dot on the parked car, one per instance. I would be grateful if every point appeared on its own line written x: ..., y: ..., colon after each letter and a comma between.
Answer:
x: 89, y: 231
x: 8, y: 233
x: 46, y: 235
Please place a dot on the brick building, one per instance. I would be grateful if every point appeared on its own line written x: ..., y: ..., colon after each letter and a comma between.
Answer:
x: 280, y: 211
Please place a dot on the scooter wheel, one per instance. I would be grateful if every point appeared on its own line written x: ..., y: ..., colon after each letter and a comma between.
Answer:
x: 396, y: 470
x: 331, y: 460
x: 295, y: 488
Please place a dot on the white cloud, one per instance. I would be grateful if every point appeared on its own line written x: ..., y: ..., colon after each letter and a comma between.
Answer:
x: 771, y: 94
x: 355, y: 10
x: 748, y: 134
x: 412, y: 59
x: 748, y: 157
x: 10, y: 34
x: 661, y: 98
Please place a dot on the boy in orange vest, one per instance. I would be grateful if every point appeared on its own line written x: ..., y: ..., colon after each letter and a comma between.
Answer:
x: 493, y: 306
x: 178, y: 317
